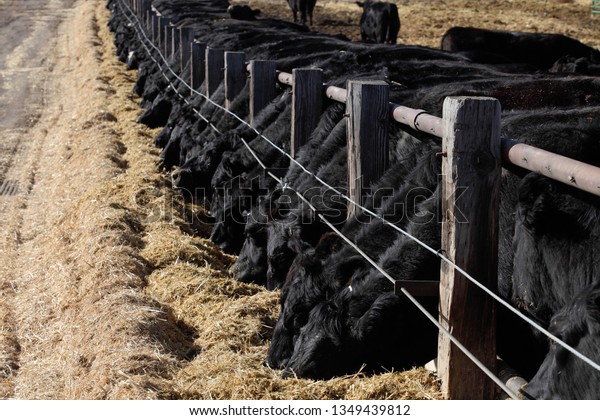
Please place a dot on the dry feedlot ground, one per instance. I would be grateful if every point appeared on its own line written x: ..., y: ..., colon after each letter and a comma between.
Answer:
x: 109, y: 287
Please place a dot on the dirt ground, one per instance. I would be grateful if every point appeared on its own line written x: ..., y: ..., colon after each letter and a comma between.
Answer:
x: 109, y: 287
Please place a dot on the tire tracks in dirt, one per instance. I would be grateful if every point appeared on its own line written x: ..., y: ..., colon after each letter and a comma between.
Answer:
x: 29, y: 41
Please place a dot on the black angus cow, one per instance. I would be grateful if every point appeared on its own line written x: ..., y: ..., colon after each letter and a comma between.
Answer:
x: 242, y: 12
x: 305, y: 7
x: 317, y: 274
x: 362, y: 322
x: 541, y: 50
x: 563, y: 375
x: 379, y: 22
x: 187, y: 131
x: 201, y: 159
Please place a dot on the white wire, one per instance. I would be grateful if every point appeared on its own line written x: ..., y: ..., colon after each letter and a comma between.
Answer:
x: 366, y: 210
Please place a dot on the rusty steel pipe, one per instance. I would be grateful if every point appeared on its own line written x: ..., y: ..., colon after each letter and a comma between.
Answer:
x: 560, y: 168
x: 418, y: 119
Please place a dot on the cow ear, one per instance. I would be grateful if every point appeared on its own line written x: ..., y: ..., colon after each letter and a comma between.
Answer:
x: 328, y: 244
x: 347, y: 268
x: 378, y: 319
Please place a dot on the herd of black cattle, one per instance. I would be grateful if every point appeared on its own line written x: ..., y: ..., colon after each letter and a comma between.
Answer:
x: 338, y: 314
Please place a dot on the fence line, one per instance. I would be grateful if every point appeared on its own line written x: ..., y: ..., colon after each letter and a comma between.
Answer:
x: 334, y: 92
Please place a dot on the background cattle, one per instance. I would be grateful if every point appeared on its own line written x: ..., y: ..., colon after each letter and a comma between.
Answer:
x: 305, y: 7
x: 541, y: 50
x: 379, y: 22
x: 242, y: 12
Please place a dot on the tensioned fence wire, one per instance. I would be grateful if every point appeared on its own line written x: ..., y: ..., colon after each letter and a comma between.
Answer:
x: 141, y: 34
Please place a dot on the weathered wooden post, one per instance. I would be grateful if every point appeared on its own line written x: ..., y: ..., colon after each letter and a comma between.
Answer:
x: 168, y: 42
x: 164, y: 23
x: 146, y: 7
x: 197, y: 65
x: 471, y: 172
x: 175, y: 46
x: 263, y: 86
x: 186, y: 35
x: 235, y: 75
x: 215, y: 64
x: 307, y: 105
x: 148, y: 24
x: 155, y: 28
x: 367, y: 106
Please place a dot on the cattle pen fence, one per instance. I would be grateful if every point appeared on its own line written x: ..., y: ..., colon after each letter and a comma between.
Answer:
x: 473, y: 155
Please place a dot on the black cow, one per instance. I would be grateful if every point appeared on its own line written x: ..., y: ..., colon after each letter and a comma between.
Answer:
x: 541, y: 50
x: 555, y: 234
x: 379, y: 22
x: 238, y: 181
x: 562, y: 374
x: 362, y: 322
x: 318, y: 274
x: 158, y: 114
x: 242, y: 12
x: 305, y: 7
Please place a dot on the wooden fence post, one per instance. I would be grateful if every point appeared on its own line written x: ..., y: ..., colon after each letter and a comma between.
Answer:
x: 146, y: 7
x: 471, y: 172
x: 164, y: 22
x: 263, y: 86
x: 197, y: 66
x: 235, y: 75
x: 186, y: 36
x: 155, y: 28
x: 367, y: 106
x: 167, y: 40
x: 215, y: 64
x: 148, y: 24
x: 307, y: 105
x: 175, y: 45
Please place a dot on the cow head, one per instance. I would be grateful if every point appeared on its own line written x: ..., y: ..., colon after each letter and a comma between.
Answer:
x: 251, y: 265
x: 315, y: 275
x: 562, y: 375
x: 320, y: 351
